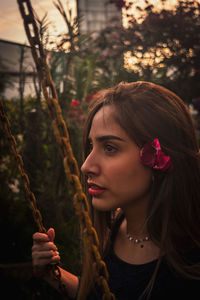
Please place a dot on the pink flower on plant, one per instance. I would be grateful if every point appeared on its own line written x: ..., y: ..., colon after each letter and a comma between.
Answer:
x: 152, y: 156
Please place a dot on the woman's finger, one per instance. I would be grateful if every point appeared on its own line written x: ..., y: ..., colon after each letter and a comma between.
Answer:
x: 40, y: 237
x: 44, y: 246
x: 51, y: 234
x: 45, y: 254
x: 45, y: 259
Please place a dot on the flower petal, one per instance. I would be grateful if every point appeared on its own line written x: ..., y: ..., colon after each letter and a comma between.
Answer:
x: 148, y: 155
x: 161, y: 161
x: 152, y: 156
x: 156, y: 144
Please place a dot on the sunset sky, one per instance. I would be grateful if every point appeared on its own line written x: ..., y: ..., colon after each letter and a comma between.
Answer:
x: 11, y: 26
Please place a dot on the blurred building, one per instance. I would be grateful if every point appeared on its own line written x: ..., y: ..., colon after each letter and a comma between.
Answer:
x: 97, y: 14
x: 17, y: 67
x: 16, y: 62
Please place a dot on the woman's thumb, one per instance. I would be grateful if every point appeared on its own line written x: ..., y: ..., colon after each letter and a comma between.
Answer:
x: 51, y: 234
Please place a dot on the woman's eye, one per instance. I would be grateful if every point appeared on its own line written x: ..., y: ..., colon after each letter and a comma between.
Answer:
x: 110, y: 149
x: 90, y: 147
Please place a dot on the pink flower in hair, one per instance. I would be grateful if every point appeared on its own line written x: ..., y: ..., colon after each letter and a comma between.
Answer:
x: 152, y: 156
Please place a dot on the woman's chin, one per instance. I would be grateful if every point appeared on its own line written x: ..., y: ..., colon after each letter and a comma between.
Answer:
x: 101, y: 205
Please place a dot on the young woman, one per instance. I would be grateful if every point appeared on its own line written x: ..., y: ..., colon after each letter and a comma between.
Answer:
x: 142, y: 172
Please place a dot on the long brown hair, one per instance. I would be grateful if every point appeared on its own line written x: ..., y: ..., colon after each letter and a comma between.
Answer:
x: 147, y: 111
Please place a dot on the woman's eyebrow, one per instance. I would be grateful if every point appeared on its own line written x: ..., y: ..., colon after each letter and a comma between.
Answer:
x: 108, y: 137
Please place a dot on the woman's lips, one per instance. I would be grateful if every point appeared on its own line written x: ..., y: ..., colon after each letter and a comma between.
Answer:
x: 95, y: 190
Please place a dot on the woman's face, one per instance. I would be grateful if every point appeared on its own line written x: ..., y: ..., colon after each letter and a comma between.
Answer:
x: 116, y: 177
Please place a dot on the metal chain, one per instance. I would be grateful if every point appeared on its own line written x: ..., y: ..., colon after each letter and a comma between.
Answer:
x: 53, y: 268
x: 24, y: 177
x: 61, y: 133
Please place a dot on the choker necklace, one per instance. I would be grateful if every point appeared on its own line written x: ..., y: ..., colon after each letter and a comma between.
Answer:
x: 138, y: 241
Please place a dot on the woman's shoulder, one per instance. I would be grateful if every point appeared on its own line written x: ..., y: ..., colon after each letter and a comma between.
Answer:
x: 188, y: 259
x: 169, y: 283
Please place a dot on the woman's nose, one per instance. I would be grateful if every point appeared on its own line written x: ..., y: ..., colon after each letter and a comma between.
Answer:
x: 90, y: 165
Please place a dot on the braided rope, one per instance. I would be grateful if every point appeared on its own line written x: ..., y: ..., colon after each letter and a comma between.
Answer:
x: 61, y: 133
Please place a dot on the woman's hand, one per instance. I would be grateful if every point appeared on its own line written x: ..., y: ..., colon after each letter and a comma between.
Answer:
x: 44, y: 251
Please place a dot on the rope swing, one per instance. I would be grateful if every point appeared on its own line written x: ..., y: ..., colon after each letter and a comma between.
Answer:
x: 82, y: 209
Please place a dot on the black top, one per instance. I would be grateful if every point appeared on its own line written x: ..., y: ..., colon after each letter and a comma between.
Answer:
x: 128, y: 281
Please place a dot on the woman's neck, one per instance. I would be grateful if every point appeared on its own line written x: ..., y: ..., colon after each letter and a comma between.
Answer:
x: 135, y: 218
x: 138, y: 249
